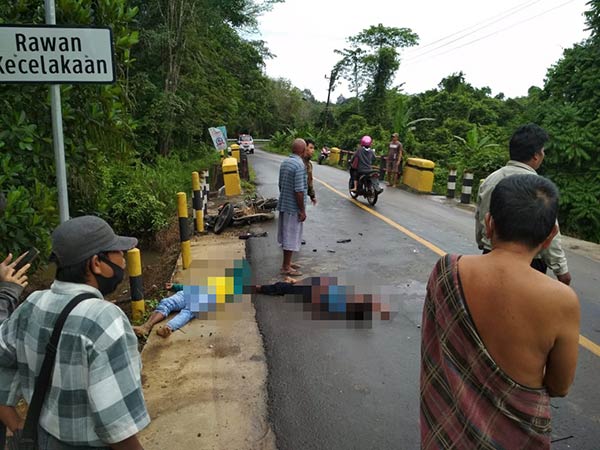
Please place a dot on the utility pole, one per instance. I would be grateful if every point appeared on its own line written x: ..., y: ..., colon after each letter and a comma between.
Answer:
x: 332, y: 81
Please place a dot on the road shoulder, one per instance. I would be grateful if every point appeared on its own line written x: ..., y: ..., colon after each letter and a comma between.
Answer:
x: 205, y: 385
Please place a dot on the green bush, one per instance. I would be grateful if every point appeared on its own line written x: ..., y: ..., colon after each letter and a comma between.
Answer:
x: 141, y: 199
x: 136, y: 210
x: 28, y: 219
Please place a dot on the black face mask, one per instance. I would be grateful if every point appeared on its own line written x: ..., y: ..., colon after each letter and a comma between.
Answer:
x: 108, y: 285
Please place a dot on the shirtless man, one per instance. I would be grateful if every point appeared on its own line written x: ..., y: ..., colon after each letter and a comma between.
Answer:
x: 509, y: 337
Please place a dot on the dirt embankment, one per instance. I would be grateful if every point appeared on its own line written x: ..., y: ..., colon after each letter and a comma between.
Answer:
x: 159, y: 256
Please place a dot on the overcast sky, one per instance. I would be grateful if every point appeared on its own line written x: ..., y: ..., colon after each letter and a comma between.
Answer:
x: 516, y: 41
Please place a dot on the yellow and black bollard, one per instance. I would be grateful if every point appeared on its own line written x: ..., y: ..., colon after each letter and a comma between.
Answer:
x: 136, y: 285
x: 184, y: 235
x: 197, y: 202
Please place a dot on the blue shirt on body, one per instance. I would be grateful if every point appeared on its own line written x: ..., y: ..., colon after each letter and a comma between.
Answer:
x: 292, y: 179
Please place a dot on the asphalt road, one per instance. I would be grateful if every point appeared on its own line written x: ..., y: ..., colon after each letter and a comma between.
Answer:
x: 336, y: 386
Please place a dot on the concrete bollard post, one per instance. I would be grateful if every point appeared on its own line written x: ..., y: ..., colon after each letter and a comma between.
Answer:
x: 197, y: 202
x: 451, y: 183
x: 136, y: 284
x: 184, y: 235
x: 467, y: 188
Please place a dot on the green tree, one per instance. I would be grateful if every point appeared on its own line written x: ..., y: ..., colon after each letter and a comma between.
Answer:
x: 352, y: 68
x: 568, y: 108
x: 381, y: 61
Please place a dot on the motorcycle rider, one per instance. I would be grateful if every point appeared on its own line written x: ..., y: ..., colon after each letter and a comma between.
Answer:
x: 324, y: 154
x: 362, y: 161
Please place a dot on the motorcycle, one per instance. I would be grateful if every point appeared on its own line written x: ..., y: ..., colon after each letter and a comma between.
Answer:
x: 324, y: 154
x: 368, y: 187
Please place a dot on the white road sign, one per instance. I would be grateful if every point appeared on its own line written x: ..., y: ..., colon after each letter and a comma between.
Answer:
x: 56, y: 55
x: 218, y: 139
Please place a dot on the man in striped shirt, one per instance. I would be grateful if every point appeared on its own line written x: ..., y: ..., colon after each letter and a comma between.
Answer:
x: 291, y: 206
x: 95, y: 397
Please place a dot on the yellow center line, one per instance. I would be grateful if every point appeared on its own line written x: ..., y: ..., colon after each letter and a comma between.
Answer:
x: 587, y: 344
x: 583, y: 341
x: 390, y: 222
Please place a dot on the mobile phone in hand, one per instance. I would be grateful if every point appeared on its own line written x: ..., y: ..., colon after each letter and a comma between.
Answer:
x: 28, y: 258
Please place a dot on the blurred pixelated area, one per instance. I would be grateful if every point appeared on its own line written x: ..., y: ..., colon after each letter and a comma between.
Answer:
x: 215, y: 288
x: 324, y: 299
x: 219, y: 287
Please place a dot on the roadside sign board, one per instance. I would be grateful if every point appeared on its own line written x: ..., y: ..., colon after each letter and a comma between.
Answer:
x: 218, y: 139
x: 223, y: 129
x: 56, y: 55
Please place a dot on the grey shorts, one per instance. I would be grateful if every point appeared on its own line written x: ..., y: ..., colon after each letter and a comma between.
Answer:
x: 289, y: 231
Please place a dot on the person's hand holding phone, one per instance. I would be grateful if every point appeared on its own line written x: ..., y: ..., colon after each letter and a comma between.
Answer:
x: 14, y: 272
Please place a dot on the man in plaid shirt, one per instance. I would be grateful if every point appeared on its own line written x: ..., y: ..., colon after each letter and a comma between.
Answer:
x: 95, y: 399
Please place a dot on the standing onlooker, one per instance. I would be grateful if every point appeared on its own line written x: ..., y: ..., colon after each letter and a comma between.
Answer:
x: 310, y: 150
x: 95, y: 399
x: 11, y: 286
x: 527, y: 153
x: 292, y: 212
x: 498, y: 337
x: 394, y: 160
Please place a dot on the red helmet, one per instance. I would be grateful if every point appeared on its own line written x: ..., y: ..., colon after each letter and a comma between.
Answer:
x: 366, y: 141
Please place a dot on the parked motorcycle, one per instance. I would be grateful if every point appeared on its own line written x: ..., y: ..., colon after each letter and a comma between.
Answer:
x: 368, y: 187
x: 325, y: 152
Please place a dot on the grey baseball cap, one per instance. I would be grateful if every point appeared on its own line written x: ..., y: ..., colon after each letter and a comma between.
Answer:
x: 77, y: 239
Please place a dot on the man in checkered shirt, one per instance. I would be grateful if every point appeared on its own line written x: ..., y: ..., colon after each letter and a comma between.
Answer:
x: 95, y: 399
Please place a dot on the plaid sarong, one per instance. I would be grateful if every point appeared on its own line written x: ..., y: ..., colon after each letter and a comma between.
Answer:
x: 467, y: 401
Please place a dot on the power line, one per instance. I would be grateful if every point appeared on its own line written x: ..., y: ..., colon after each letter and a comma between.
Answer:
x: 418, y: 58
x: 480, y: 25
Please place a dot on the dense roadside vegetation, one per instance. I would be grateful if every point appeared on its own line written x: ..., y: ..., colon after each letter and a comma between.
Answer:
x: 186, y: 65
x: 182, y: 66
x: 461, y: 126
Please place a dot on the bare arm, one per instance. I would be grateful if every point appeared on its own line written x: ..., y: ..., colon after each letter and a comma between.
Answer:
x: 11, y: 285
x: 562, y: 359
x: 131, y: 443
x: 8, y: 273
x: 300, y: 203
x: 10, y: 418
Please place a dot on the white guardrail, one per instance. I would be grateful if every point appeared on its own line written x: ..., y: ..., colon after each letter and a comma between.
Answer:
x: 255, y: 140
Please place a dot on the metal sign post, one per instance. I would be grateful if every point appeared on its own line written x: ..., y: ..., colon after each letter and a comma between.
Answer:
x: 56, y: 55
x: 57, y: 132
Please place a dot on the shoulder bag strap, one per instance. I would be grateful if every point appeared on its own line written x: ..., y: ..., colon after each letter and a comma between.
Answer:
x: 45, y: 376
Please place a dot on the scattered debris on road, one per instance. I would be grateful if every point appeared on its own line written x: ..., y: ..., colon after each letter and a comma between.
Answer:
x: 250, y: 211
x: 249, y: 235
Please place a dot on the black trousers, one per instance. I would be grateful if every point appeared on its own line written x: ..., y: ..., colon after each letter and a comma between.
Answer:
x: 2, y: 436
x: 537, y: 263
